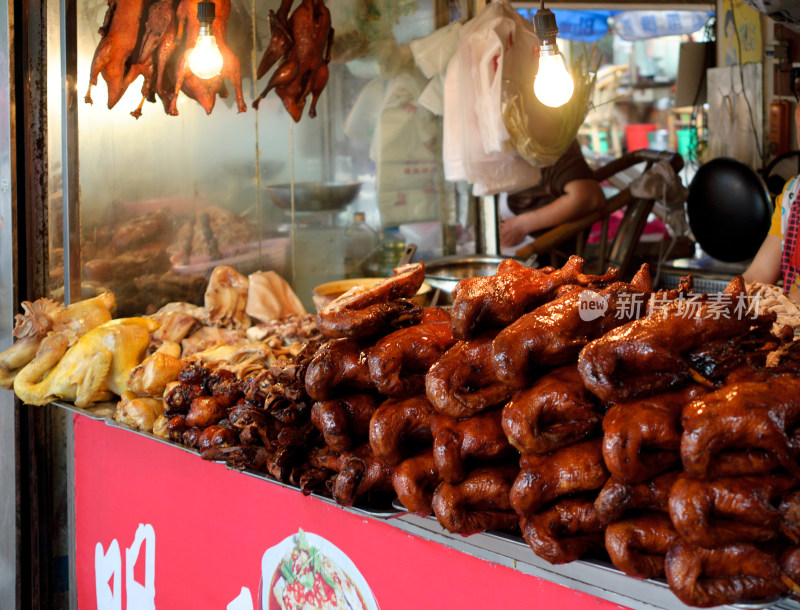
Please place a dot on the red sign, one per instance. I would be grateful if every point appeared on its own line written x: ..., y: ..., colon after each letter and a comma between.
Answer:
x: 157, y: 527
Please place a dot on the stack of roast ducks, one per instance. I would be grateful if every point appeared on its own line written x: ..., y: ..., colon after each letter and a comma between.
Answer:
x: 596, y: 417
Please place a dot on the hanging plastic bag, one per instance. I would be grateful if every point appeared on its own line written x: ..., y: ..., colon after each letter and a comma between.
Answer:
x: 477, y: 145
x: 432, y: 53
x: 361, y: 120
x: 405, y: 149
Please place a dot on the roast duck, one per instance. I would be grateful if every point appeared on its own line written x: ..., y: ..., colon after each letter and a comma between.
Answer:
x: 152, y: 39
x: 301, y: 45
x: 649, y: 434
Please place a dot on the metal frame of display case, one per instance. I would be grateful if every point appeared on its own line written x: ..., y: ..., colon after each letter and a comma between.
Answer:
x: 8, y: 263
x: 593, y: 578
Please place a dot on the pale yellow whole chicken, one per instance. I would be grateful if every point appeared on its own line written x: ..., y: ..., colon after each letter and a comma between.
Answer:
x: 43, y: 319
x: 95, y: 368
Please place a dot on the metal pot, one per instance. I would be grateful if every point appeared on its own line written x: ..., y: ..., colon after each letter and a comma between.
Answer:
x: 444, y: 273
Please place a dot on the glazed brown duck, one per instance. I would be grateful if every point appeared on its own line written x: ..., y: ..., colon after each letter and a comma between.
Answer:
x: 749, y: 418
x: 555, y: 412
x: 498, y: 300
x: 338, y: 367
x: 789, y: 509
x: 729, y: 510
x: 726, y: 575
x: 305, y: 41
x: 479, y: 503
x: 414, y: 481
x: 365, y: 313
x: 360, y: 473
x: 618, y: 497
x: 564, y: 532
x: 642, y: 438
x: 638, y: 546
x: 280, y: 40
x: 463, y: 382
x: 398, y: 362
x: 647, y: 356
x: 569, y: 470
x: 790, y: 569
x: 344, y: 421
x: 398, y: 424
x: 554, y: 333
x: 477, y: 438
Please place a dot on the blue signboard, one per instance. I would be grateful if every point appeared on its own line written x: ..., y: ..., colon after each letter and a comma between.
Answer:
x: 640, y: 25
x: 587, y: 26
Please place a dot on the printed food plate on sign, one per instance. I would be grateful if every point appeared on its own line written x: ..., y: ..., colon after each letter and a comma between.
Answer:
x: 307, y: 571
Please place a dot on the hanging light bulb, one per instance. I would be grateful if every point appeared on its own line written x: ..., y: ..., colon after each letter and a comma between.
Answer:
x: 553, y: 85
x: 205, y: 60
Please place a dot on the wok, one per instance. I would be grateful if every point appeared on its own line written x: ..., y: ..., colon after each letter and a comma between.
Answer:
x: 314, y: 196
x: 729, y: 210
x: 444, y: 273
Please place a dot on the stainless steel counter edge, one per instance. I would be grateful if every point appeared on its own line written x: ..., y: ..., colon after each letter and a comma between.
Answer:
x: 594, y: 578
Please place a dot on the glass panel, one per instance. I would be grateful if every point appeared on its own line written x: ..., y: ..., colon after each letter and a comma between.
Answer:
x: 164, y: 198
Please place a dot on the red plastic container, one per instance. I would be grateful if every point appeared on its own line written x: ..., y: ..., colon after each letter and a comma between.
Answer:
x: 636, y: 135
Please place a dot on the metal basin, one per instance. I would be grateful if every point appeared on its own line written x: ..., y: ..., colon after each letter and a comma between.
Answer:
x: 444, y: 273
x: 314, y: 196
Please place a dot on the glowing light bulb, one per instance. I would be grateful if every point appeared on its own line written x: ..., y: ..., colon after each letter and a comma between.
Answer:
x: 553, y: 84
x: 205, y: 60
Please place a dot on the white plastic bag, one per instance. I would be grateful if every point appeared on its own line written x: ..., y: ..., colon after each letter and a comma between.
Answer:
x: 476, y: 143
x: 404, y: 149
x: 432, y: 53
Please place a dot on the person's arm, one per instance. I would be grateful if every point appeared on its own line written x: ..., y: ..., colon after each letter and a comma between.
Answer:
x: 580, y: 197
x: 766, y: 266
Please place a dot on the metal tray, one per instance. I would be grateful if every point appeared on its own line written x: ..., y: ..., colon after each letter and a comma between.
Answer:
x: 102, y: 411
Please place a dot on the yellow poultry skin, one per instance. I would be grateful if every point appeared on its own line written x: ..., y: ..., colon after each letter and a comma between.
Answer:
x: 45, y: 317
x: 93, y: 369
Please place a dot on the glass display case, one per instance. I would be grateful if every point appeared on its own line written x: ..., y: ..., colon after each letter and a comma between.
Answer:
x: 165, y: 198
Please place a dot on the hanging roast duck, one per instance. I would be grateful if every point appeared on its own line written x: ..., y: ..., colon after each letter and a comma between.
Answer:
x: 152, y: 38
x: 189, y: 29
x: 120, y: 31
x: 304, y: 42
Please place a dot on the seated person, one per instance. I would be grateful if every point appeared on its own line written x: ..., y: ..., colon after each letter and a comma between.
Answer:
x: 779, y: 255
x: 566, y: 192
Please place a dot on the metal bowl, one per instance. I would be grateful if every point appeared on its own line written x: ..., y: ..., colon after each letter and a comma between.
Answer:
x: 314, y: 196
x: 444, y: 273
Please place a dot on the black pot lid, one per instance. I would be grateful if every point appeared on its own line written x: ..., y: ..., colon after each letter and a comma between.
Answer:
x: 729, y: 210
